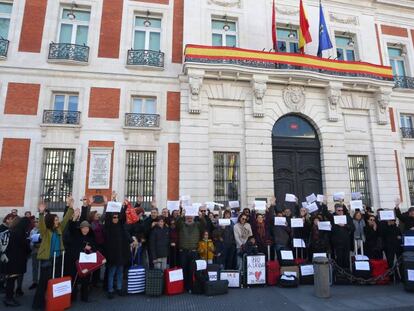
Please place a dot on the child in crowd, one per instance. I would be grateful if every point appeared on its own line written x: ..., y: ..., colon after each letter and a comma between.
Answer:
x: 206, y: 248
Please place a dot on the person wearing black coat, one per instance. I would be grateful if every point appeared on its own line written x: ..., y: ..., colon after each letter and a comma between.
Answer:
x: 391, y: 237
x: 229, y: 242
x: 83, y: 241
x: 340, y: 237
x: 406, y: 218
x: 373, y: 242
x: 17, y: 252
x: 319, y: 240
x: 160, y: 244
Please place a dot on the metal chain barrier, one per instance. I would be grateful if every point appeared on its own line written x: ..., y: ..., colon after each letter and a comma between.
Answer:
x: 361, y: 281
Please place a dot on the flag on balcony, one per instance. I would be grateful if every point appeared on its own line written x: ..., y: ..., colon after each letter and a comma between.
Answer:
x: 274, y: 29
x: 304, y: 34
x: 324, y: 40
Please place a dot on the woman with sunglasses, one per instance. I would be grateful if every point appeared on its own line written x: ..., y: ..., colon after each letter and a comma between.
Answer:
x: 242, y: 231
x: 373, y: 242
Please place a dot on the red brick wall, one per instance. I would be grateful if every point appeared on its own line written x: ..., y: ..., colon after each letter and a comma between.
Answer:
x: 394, y: 31
x: 22, y: 98
x: 104, y: 103
x: 392, y: 120
x: 178, y: 25
x: 173, y: 106
x: 173, y: 179
x: 13, y: 171
x: 105, y: 192
x: 379, y: 44
x: 32, y: 27
x: 110, y: 33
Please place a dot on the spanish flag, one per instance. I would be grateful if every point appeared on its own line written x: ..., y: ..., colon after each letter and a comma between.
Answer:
x: 304, y: 34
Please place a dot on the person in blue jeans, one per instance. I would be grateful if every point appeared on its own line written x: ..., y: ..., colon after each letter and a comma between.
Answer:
x: 117, y: 251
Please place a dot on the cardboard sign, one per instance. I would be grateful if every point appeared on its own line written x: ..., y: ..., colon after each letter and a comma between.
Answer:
x: 290, y: 197
x: 260, y: 205
x: 176, y: 275
x: 233, y: 277
x: 224, y: 222
x: 113, y: 207
x: 311, y: 198
x: 362, y: 265
x: 256, y: 269
x: 61, y: 289
x: 356, y: 204
x: 280, y: 221
x: 307, y: 270
x: 339, y: 196
x: 299, y: 243
x: 201, y: 265
x: 324, y: 225
x: 340, y: 220
x: 296, y: 223
x: 312, y: 207
x: 234, y: 204
x: 173, y: 206
x: 286, y: 255
x: 386, y: 215
x: 87, y: 258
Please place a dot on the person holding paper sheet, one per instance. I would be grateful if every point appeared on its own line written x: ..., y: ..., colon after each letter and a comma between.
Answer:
x: 242, y: 231
x: 359, y: 224
x: 391, y: 237
x: 319, y: 240
x: 281, y: 235
x: 407, y: 218
x: 148, y: 224
x: 373, y: 241
x: 229, y: 241
x: 260, y: 229
x: 303, y: 232
x: 159, y: 244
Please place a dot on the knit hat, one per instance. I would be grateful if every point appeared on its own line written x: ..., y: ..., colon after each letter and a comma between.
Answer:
x: 84, y: 224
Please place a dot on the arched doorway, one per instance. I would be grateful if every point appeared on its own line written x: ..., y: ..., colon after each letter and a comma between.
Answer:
x: 296, y: 158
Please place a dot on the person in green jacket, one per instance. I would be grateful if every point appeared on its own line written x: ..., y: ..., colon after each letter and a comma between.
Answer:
x: 51, y: 230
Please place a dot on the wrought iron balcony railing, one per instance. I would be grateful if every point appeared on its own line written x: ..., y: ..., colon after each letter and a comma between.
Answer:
x: 404, y: 82
x: 145, y: 58
x: 407, y: 132
x: 142, y: 120
x: 4, y: 46
x: 61, y: 117
x: 68, y: 51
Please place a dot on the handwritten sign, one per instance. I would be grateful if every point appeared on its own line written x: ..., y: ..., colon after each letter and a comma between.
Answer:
x: 286, y: 255
x: 61, y: 289
x: 409, y: 241
x: 362, y: 265
x: 320, y: 198
x: 173, y: 205
x: 356, y: 196
x: 201, y: 265
x: 340, y: 220
x: 319, y: 255
x: 410, y: 275
x: 176, y: 275
x: 260, y: 205
x: 312, y: 207
x: 306, y: 270
x: 299, y: 243
x: 290, y: 197
x: 192, y: 211
x: 113, y: 207
x: 296, y: 223
x: 386, y: 215
x: 224, y: 222
x: 256, y: 269
x: 233, y: 277
x: 311, y: 198
x: 280, y: 221
x: 324, y: 226
x: 356, y: 204
x: 87, y: 258
x: 234, y: 204
x: 339, y: 196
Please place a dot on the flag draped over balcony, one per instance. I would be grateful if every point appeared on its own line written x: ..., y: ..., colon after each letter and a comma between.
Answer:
x: 324, y: 40
x: 274, y: 29
x: 304, y: 34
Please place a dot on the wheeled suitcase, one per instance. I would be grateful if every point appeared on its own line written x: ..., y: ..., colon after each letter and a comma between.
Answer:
x: 286, y: 257
x: 174, y: 281
x: 361, y: 269
x: 233, y: 276
x: 306, y: 274
x: 136, y: 274
x: 154, y: 283
x: 254, y: 270
x: 214, y: 288
x: 59, y: 290
x: 408, y: 265
x: 85, y: 269
x: 288, y: 281
x: 408, y: 241
x: 272, y: 270
x: 379, y: 267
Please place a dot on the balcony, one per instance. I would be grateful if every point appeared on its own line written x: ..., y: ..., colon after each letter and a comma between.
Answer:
x: 404, y: 82
x: 145, y: 58
x: 68, y: 53
x: 61, y: 117
x: 142, y: 120
x: 4, y: 46
x: 407, y: 132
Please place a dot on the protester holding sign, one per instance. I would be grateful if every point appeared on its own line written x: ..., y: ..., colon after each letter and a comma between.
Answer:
x: 319, y: 241
x: 159, y: 244
x: 391, y: 237
x: 229, y: 241
x: 359, y: 224
x: 242, y: 231
x: 260, y: 228
x: 373, y: 241
x: 281, y: 235
x: 407, y: 218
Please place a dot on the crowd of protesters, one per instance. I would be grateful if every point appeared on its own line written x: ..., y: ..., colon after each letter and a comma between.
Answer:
x: 173, y: 239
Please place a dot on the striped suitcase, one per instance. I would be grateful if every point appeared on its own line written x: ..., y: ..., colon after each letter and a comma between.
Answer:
x: 136, y: 274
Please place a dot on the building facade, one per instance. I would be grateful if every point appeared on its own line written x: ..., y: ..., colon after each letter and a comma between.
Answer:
x: 163, y: 98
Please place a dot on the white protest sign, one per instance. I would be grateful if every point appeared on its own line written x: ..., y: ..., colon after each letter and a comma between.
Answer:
x: 98, y: 209
x: 192, y: 210
x: 286, y: 255
x: 256, y: 269
x: 361, y: 257
x: 173, y: 206
x: 234, y: 204
x: 210, y: 205
x: 201, y: 265
x: 61, y: 289
x: 234, y: 219
x: 340, y: 220
x: 87, y: 258
x: 224, y: 222
x: 339, y: 196
x: 305, y: 204
x: 324, y: 225
x: 212, y: 275
x: 280, y: 221
x: 311, y: 198
x: 290, y: 197
x: 356, y: 196
x: 176, y: 275
x: 233, y: 278
x: 356, y: 204
x: 320, y: 198
x: 386, y: 215
x: 299, y: 243
x: 260, y: 205
x: 312, y: 207
x: 306, y: 270
x: 409, y: 241
x: 362, y: 265
x: 410, y: 275
x: 113, y: 207
x: 319, y: 255
x: 296, y: 223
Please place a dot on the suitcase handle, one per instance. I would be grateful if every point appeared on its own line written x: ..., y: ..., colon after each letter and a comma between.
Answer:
x: 136, y: 256
x: 54, y: 264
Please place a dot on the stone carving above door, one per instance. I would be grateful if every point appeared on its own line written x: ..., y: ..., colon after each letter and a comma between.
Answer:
x: 294, y: 97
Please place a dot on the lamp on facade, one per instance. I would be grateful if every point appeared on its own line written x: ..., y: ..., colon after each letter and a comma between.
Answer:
x: 147, y: 22
x: 226, y: 26
x: 71, y: 15
x: 291, y: 33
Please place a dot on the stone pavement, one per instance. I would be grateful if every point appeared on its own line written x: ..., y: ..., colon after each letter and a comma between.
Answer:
x: 378, y: 298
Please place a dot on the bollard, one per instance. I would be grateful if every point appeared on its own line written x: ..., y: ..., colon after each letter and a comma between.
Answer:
x: 321, y: 277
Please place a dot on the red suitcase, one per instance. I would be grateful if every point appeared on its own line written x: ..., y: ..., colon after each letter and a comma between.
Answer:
x: 59, y: 290
x: 84, y: 269
x: 272, y: 270
x: 379, y: 267
x: 174, y: 281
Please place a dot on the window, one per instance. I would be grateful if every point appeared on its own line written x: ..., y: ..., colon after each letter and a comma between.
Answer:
x: 396, y: 56
x: 287, y: 40
x: 147, y: 105
x: 345, y: 47
x: 57, y: 177
x: 140, y: 176
x: 293, y: 126
x: 147, y: 33
x: 226, y: 177
x: 407, y: 129
x: 65, y: 102
x: 5, y: 13
x: 224, y: 32
x: 409, y: 163
x: 74, y: 27
x: 359, y: 177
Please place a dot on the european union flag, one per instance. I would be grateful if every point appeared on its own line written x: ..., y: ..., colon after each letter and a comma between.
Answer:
x: 324, y: 40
